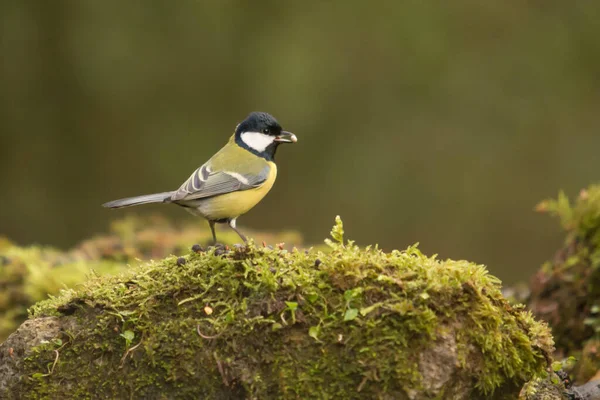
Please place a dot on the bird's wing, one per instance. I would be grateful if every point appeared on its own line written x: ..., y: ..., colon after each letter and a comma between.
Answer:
x: 214, y: 178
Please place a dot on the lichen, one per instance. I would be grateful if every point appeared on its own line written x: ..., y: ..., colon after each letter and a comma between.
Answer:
x: 255, y: 322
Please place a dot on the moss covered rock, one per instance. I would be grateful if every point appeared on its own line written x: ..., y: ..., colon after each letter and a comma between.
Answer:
x: 558, y: 387
x: 29, y: 274
x: 254, y: 322
x: 566, y: 291
x: 548, y: 388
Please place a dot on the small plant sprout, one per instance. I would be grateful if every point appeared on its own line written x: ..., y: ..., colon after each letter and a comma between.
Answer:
x: 337, y: 234
x: 292, y: 306
x: 349, y: 295
x: 314, y: 331
x: 128, y: 336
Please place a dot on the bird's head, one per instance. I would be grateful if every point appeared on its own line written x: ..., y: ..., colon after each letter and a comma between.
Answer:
x: 260, y: 133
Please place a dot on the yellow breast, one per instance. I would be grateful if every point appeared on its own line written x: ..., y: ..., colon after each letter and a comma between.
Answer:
x: 232, y: 205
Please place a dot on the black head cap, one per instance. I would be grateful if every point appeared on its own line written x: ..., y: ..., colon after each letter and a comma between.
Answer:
x: 259, y: 122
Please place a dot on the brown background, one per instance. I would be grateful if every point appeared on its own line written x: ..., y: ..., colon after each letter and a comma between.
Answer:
x: 439, y: 124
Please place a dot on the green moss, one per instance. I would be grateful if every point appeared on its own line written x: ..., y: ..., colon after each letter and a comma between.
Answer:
x: 566, y: 291
x: 30, y: 274
x: 548, y: 388
x: 260, y: 323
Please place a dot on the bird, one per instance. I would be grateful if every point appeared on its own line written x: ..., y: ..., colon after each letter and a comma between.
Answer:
x: 233, y: 180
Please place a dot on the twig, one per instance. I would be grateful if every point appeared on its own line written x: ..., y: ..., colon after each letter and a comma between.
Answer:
x: 127, y: 353
x: 54, y: 364
x: 221, y: 371
x: 362, y: 384
x: 205, y: 336
x: 55, y: 360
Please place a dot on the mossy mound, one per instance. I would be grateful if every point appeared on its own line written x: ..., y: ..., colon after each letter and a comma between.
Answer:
x: 257, y: 323
x: 29, y: 274
x: 565, y: 292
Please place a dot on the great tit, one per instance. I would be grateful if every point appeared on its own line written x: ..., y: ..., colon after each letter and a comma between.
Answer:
x: 233, y: 181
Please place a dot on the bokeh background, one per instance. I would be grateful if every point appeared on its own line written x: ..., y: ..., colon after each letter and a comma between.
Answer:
x: 442, y: 123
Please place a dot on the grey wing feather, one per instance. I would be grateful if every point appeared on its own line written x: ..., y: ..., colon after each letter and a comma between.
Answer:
x: 205, y: 183
x: 137, y: 200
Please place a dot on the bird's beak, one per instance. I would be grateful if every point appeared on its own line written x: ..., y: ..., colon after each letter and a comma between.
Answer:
x: 286, y: 137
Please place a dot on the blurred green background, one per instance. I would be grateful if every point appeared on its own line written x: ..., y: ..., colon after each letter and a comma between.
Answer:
x: 437, y: 122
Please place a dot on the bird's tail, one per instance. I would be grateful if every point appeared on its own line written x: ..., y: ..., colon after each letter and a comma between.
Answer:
x: 137, y: 200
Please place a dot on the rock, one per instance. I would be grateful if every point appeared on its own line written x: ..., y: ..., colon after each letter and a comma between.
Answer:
x: 19, y: 345
x: 363, y: 324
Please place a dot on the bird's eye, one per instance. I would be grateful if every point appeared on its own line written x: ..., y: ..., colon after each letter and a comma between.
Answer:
x: 266, y: 130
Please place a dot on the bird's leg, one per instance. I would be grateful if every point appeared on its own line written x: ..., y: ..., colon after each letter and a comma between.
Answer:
x: 232, y: 225
x: 212, y: 229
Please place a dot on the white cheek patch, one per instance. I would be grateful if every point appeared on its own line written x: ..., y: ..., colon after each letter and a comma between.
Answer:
x: 256, y: 140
